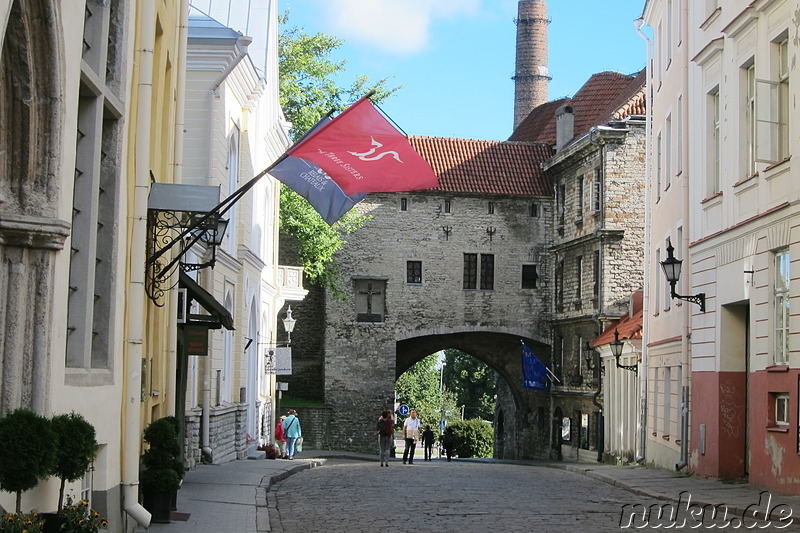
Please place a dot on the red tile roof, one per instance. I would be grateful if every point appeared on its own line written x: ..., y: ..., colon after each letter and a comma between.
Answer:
x: 486, y: 167
x: 628, y: 327
x: 605, y: 96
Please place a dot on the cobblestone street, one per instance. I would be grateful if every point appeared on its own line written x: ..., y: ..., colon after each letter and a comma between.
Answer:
x: 440, y: 496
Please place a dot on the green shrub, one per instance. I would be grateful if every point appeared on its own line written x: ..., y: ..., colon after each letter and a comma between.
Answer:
x: 76, y: 448
x: 28, y: 449
x: 474, y: 438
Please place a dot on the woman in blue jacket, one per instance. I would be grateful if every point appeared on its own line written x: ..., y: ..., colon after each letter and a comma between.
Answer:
x: 292, y: 432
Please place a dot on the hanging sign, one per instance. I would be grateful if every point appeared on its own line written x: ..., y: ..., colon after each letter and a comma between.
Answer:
x: 196, y: 339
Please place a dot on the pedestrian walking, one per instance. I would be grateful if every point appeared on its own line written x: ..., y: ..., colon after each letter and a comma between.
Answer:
x: 292, y: 432
x: 280, y: 438
x: 411, y: 436
x: 385, y: 436
x: 427, y: 442
x: 448, y: 441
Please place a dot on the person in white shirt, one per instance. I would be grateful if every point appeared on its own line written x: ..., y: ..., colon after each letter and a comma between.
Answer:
x: 411, y: 435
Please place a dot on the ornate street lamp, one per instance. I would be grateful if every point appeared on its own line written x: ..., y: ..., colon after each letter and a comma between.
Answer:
x: 672, y: 270
x: 288, y: 325
x: 616, y: 351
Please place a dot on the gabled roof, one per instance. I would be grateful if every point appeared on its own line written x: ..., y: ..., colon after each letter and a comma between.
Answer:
x: 486, y: 167
x: 605, y: 96
x: 628, y: 327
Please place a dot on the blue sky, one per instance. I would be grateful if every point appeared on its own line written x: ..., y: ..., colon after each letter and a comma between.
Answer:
x: 455, y: 58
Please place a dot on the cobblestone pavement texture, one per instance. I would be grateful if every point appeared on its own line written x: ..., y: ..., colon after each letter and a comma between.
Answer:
x: 441, y: 496
x: 353, y: 493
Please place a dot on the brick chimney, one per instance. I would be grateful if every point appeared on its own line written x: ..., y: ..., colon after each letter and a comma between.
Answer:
x: 565, y: 126
x: 531, y: 75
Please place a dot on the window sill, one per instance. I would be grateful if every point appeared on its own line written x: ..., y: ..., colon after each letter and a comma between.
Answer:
x: 778, y: 429
x: 711, y: 18
x: 745, y: 180
x: 778, y: 367
x: 712, y: 197
x: 665, y: 437
x: 778, y: 163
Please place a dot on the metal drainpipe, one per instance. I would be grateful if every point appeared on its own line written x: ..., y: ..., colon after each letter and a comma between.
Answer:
x: 595, y: 316
x: 136, y: 290
x: 639, y: 23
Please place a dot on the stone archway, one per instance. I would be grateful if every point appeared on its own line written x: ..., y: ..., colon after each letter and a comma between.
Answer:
x: 30, y: 234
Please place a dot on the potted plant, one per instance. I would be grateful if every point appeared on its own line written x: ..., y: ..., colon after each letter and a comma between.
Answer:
x: 28, y: 445
x: 163, y: 471
x: 76, y: 449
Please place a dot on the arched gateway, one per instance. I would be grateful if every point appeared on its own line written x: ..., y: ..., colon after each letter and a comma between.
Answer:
x: 458, y: 267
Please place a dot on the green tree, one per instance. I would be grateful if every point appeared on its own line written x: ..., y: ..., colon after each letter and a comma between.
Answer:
x: 418, y: 387
x: 473, y: 383
x: 308, y: 91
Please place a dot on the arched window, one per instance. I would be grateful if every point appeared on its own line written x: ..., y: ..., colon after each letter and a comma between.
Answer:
x: 226, y: 383
x: 233, y: 184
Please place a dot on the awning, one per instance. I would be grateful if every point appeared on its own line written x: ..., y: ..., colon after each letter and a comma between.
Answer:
x: 217, y: 311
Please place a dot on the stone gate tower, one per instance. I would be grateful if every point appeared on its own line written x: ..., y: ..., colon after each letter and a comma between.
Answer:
x: 531, y: 75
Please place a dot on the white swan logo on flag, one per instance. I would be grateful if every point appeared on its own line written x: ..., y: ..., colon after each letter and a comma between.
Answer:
x: 375, y: 145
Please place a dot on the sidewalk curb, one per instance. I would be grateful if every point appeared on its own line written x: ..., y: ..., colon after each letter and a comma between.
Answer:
x: 265, y: 509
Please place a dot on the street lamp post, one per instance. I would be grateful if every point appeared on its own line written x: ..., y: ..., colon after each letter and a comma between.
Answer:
x: 441, y: 391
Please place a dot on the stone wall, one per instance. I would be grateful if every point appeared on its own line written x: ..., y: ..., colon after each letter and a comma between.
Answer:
x: 227, y: 434
x: 363, y: 359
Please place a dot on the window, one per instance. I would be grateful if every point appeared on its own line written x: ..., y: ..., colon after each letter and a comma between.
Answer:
x: 560, y: 285
x: 579, y: 277
x: 414, y: 272
x: 96, y: 189
x: 669, y: 33
x: 487, y: 272
x: 561, y: 202
x: 491, y: 208
x: 597, y: 191
x: 659, y: 155
x: 781, y: 409
x: 781, y: 295
x: 659, y: 276
x: 470, y: 271
x: 783, y: 99
x: 668, y: 153
x: 529, y: 277
x: 772, y: 109
x: 660, y: 54
x: 667, y: 403
x: 596, y: 276
x: 447, y: 206
x: 713, y: 174
x: 403, y: 204
x: 667, y: 286
x: 370, y: 300
x: 580, y: 199
x: 749, y: 140
x: 558, y: 360
x: 679, y: 137
x: 534, y: 210
x: 229, y: 239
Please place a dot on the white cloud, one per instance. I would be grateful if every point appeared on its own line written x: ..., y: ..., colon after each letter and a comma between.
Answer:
x: 401, y: 27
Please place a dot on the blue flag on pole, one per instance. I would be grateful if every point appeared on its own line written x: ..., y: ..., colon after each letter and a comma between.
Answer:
x: 534, y: 373
x: 312, y: 183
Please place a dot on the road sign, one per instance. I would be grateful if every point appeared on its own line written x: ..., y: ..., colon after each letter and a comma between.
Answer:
x: 403, y: 410
x: 442, y: 425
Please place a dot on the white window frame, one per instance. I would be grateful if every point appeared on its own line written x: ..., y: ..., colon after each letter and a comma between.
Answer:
x: 781, y: 283
x: 714, y: 143
x: 772, y: 109
x: 750, y: 120
x: 782, y: 412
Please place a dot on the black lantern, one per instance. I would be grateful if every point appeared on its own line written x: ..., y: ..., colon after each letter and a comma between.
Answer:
x: 616, y: 351
x: 672, y: 270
